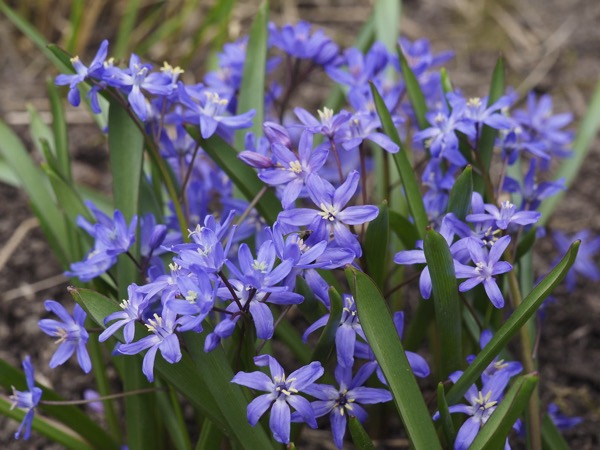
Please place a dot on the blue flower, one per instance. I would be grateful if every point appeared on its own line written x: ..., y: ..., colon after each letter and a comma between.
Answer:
x: 562, y: 421
x: 482, y: 403
x: 70, y: 332
x: 334, y: 215
x: 163, y: 338
x: 506, y: 215
x: 27, y: 400
x: 299, y: 42
x: 282, y: 393
x: 584, y: 263
x: 487, y: 266
x: 345, y: 401
x: 133, y: 309
x: 95, y: 70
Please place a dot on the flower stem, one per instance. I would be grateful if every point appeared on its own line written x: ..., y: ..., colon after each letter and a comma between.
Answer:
x: 99, y: 399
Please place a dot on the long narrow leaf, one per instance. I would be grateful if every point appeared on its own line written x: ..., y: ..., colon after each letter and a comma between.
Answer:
x: 44, y: 426
x: 126, y: 145
x: 37, y: 187
x: 381, y: 334
x: 552, y: 439
x: 511, y: 327
x: 253, y: 81
x: 414, y: 91
x: 361, y: 439
x: 407, y: 174
x: 376, y: 244
x: 460, y: 195
x: 326, y: 342
x: 59, y: 129
x: 446, y: 301
x: 488, y: 134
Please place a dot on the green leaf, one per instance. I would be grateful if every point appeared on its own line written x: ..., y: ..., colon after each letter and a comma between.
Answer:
x: 289, y: 335
x: 414, y: 91
x: 210, y: 437
x: 404, y: 229
x: 569, y: 168
x: 241, y: 175
x: 126, y: 147
x: 36, y: 37
x: 513, y: 324
x: 37, y: 187
x: 39, y: 131
x: 383, y: 338
x: 71, y: 416
x: 407, y: 174
x: 44, y: 426
x: 552, y: 439
x: 376, y: 244
x: 217, y: 375
x: 126, y: 26
x: 361, y: 439
x: 59, y: 130
x: 460, y: 195
x: 168, y: 403
x: 526, y: 243
x: 494, y: 432
x: 445, y: 418
x: 485, y: 146
x: 446, y: 301
x: 326, y: 343
x: 387, y: 19
x: 253, y: 80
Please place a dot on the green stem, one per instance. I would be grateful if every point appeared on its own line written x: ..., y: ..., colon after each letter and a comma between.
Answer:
x: 99, y: 399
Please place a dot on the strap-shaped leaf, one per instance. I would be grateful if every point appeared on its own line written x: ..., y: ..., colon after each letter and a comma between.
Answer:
x: 37, y: 187
x: 381, y: 334
x: 326, y: 342
x: 414, y: 91
x: 361, y: 439
x: 407, y: 174
x: 404, y: 229
x: 513, y: 324
x: 494, y: 432
x: 485, y: 146
x: 445, y: 418
x: 217, y: 375
x: 59, y: 129
x: 71, y: 416
x: 252, y: 91
x: 376, y: 244
x: 242, y: 175
x: 460, y: 195
x: 45, y: 427
x: 126, y: 146
x: 552, y: 439
x: 446, y: 301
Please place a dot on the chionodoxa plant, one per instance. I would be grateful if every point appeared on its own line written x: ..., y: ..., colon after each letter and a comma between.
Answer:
x: 250, y: 265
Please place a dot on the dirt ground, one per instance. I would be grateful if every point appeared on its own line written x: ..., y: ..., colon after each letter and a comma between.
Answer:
x: 549, y: 45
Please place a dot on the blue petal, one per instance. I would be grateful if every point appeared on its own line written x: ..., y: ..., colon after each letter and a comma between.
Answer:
x: 280, y: 421
x: 254, y: 380
x: 258, y: 407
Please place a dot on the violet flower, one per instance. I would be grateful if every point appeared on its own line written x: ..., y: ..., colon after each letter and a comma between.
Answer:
x: 487, y: 266
x: 506, y: 215
x: 71, y: 333
x: 334, y: 215
x: 345, y: 401
x: 27, y: 400
x: 282, y: 392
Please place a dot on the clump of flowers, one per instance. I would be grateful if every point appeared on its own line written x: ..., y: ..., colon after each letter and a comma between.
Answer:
x: 235, y: 253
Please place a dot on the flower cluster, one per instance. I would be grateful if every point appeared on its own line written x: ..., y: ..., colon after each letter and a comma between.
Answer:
x: 217, y: 265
